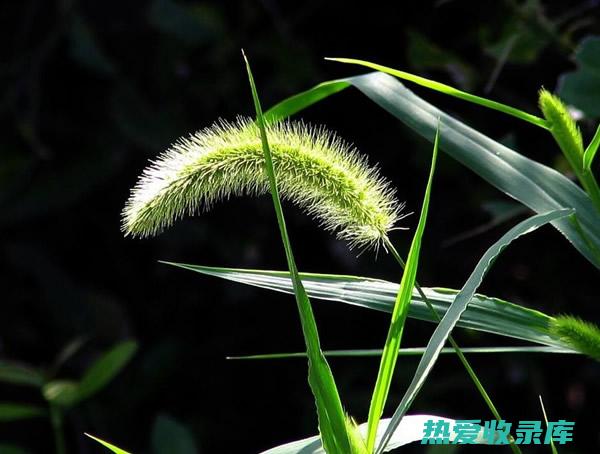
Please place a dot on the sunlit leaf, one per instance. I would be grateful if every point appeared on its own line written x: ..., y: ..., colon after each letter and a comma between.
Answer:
x: 108, y: 445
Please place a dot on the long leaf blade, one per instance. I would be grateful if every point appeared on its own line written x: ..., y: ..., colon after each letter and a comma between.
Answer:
x: 412, y: 351
x: 304, y: 99
x: 484, y: 313
x: 448, y: 90
x: 448, y: 322
x: 332, y: 420
x: 399, y: 314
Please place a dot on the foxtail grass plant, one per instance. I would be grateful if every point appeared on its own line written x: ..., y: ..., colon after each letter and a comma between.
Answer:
x: 332, y: 182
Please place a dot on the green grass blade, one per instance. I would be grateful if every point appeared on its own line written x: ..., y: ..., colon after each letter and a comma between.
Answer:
x: 552, y: 446
x: 399, y: 314
x: 108, y: 445
x: 448, y: 90
x: 413, y: 351
x: 332, y: 420
x: 440, y: 335
x: 301, y: 101
x: 535, y: 185
x: 484, y: 313
x: 590, y: 151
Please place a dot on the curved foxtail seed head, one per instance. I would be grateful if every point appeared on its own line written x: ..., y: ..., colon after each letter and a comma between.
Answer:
x: 562, y: 126
x: 315, y: 169
x: 580, y: 335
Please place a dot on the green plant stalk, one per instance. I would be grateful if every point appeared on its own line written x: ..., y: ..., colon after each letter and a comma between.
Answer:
x: 389, y: 356
x: 332, y: 420
x: 56, y: 419
x: 552, y: 446
x: 584, y: 236
x: 585, y: 176
x: 448, y: 90
x: 515, y: 448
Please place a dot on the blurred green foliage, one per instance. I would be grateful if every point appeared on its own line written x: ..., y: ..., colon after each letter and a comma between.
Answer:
x: 581, y: 88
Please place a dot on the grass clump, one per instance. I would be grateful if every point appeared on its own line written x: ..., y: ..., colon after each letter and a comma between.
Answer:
x: 315, y: 170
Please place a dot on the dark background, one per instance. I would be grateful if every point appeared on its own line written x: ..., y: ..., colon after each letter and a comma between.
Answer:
x: 91, y: 90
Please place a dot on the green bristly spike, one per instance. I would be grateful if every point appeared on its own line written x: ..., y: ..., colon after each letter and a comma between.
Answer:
x: 563, y: 127
x: 567, y: 135
x: 583, y: 336
x: 315, y: 170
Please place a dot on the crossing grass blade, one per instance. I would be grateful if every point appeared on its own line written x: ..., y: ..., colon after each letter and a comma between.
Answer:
x: 413, y: 351
x: 305, y: 99
x: 450, y: 319
x: 448, y: 90
x: 484, y: 313
x: 332, y: 420
x: 108, y: 445
x: 537, y: 186
x: 389, y: 356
